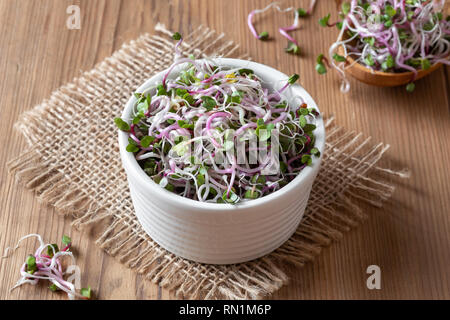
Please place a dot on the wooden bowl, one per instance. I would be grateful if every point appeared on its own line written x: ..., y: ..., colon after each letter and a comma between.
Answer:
x: 382, y: 79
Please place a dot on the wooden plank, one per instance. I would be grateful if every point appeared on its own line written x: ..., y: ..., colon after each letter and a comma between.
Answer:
x: 409, y: 238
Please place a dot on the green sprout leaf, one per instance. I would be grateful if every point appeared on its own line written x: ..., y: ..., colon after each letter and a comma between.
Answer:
x: 190, y: 99
x: 233, y: 198
x: 309, y: 127
x: 414, y: 62
x: 208, y: 102
x: 339, y: 58
x: 137, y: 118
x: 293, y: 79
x: 122, y: 125
x: 200, y: 179
x: 142, y: 107
x: 31, y: 264
x: 319, y: 58
x: 236, y: 96
x: 86, y: 292
x: 302, y: 121
x: 146, y: 141
x: 366, y: 6
x: 428, y: 26
x: 264, y: 132
x: 320, y: 68
x: 178, y: 139
x: 157, y: 179
x: 410, y: 87
x: 170, y: 187
x: 292, y: 48
x: 180, y: 92
x: 31, y: 261
x: 388, y: 63
x: 245, y: 72
x: 181, y: 148
x: 212, y: 192
x: 203, y: 169
x: 263, y: 35
x: 251, y: 194
x: 390, y: 11
x: 302, y: 12
x: 176, y: 36
x: 283, y: 167
x: 188, y: 126
x: 132, y: 148
x: 315, y: 152
x: 66, y: 240
x: 52, y: 249
x: 161, y: 91
x: 369, y: 60
x: 258, y: 179
x: 304, y: 111
x: 345, y: 8
x: 425, y: 64
x: 130, y: 140
x: 370, y: 40
x: 53, y: 287
x: 324, y: 21
x: 306, y: 159
x: 300, y: 140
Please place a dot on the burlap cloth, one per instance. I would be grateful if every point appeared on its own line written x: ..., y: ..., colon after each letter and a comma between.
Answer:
x: 73, y: 163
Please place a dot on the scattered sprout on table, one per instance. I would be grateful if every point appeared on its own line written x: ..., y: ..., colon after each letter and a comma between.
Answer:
x: 46, y: 264
x: 293, y: 46
x: 321, y: 61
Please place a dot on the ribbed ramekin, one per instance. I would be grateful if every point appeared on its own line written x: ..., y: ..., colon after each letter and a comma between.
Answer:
x: 221, y: 233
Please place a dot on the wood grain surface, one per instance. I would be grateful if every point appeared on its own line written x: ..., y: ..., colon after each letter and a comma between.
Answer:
x: 409, y: 238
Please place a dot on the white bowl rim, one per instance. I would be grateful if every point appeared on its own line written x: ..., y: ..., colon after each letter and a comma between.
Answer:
x: 133, y: 168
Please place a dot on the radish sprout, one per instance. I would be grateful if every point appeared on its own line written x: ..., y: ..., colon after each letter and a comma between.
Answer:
x: 184, y: 131
x: 46, y: 264
x: 293, y: 46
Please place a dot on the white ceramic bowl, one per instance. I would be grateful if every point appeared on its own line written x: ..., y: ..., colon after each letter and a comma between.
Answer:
x: 221, y: 233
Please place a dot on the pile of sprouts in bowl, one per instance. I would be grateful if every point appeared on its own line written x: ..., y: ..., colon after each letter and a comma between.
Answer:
x: 389, y: 36
x: 186, y: 132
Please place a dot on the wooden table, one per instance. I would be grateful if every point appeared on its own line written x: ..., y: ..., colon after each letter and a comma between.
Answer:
x: 409, y: 238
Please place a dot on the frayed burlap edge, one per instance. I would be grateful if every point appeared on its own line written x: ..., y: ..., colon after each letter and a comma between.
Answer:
x: 349, y: 175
